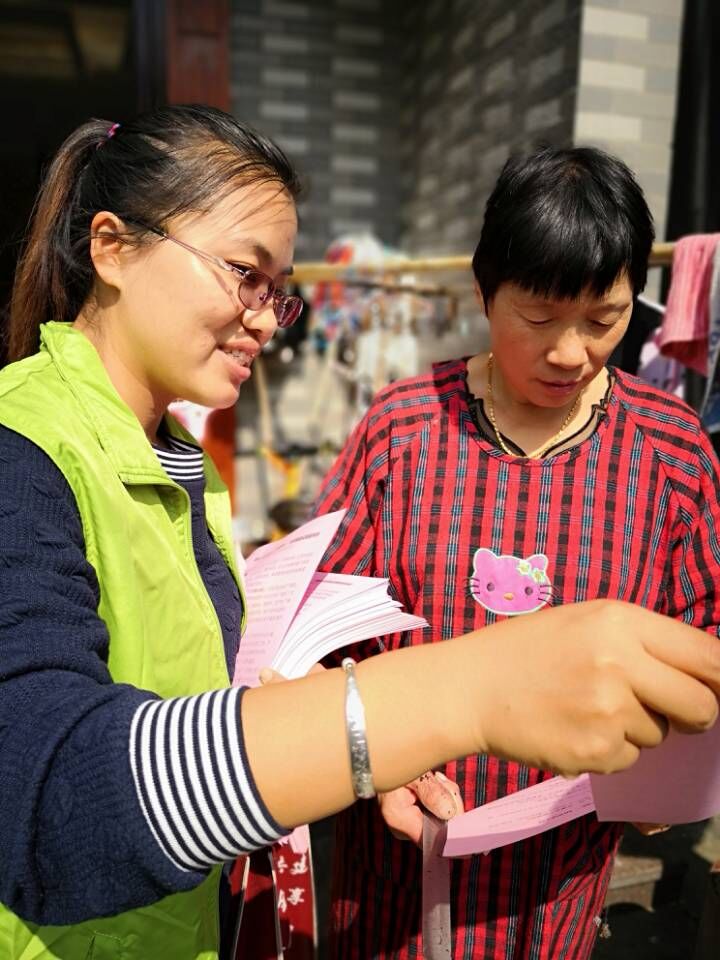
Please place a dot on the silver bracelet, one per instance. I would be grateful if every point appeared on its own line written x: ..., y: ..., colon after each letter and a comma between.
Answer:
x: 362, y: 780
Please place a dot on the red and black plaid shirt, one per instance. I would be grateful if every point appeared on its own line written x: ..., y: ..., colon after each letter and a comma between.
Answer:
x: 632, y: 512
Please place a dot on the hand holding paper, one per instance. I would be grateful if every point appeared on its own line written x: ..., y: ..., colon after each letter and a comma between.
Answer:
x: 402, y: 809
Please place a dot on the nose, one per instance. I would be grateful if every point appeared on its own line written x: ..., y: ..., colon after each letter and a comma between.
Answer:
x: 508, y: 596
x: 262, y: 324
x: 569, y: 351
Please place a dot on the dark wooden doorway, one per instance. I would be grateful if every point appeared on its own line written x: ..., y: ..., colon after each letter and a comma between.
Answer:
x: 60, y: 63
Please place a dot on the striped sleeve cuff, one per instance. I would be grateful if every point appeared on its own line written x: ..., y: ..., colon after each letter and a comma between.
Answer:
x: 193, y: 780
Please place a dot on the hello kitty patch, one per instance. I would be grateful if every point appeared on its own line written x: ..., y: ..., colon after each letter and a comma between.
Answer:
x: 510, y: 585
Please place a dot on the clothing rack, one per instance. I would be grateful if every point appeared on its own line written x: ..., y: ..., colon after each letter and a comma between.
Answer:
x: 315, y: 272
x: 389, y: 286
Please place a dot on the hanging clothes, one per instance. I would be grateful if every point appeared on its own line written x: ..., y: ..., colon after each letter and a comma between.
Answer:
x: 710, y: 407
x: 660, y: 371
x: 685, y: 328
x: 646, y: 318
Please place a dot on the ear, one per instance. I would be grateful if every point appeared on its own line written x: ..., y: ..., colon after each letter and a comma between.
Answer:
x: 480, y: 554
x: 539, y: 562
x: 106, y: 249
x: 479, y: 297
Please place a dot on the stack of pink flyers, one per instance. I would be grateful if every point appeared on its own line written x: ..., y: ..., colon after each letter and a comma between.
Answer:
x: 296, y: 616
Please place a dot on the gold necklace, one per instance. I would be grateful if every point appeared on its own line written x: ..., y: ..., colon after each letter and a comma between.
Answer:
x: 536, y: 454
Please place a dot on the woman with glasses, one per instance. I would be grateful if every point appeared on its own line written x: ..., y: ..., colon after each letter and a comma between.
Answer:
x: 523, y: 478
x: 129, y: 772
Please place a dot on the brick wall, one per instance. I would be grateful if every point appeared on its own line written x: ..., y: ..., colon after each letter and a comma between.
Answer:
x: 401, y: 114
x: 479, y: 81
x: 628, y: 71
x: 321, y: 77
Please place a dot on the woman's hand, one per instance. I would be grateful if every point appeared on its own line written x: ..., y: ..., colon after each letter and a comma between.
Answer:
x: 651, y: 829
x: 584, y: 687
x: 402, y: 809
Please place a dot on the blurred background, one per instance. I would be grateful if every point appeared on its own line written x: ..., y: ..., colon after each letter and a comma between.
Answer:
x: 399, y: 116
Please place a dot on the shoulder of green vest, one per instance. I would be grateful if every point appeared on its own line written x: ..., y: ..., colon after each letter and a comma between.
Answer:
x: 36, y: 402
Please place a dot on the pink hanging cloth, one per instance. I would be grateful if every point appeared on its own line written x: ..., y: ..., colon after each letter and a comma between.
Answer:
x: 685, y: 327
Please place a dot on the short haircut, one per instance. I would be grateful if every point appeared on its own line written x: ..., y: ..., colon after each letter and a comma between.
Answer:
x: 560, y: 221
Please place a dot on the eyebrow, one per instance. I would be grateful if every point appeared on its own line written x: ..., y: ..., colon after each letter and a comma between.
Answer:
x: 616, y: 307
x: 613, y: 307
x: 263, y: 254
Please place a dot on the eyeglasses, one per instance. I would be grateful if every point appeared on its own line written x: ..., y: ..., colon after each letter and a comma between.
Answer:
x: 255, y: 289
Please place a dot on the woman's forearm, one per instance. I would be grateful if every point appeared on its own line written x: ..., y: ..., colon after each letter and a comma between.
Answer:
x: 575, y: 688
x: 297, y: 743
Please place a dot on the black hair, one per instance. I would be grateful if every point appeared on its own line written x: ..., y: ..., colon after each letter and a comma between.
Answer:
x: 165, y: 163
x: 563, y: 220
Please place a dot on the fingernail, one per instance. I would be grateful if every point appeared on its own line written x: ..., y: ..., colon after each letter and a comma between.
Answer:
x: 265, y: 675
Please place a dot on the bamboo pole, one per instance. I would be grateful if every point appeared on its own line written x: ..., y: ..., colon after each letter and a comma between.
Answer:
x: 660, y: 256
x: 316, y: 272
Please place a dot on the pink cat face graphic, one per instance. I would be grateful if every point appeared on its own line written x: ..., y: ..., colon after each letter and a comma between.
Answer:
x: 510, y: 585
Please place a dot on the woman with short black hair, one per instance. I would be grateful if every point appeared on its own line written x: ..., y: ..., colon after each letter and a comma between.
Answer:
x: 524, y: 478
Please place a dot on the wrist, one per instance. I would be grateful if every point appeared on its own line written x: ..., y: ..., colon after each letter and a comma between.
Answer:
x: 469, y: 673
x: 362, y: 780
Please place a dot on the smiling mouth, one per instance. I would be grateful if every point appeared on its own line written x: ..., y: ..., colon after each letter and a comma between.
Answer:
x: 240, y: 356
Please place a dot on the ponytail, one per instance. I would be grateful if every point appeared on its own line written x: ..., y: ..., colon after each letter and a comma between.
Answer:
x: 54, y: 274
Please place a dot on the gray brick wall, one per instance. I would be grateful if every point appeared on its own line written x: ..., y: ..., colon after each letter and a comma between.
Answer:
x: 401, y: 114
x: 321, y: 78
x: 628, y: 73
x: 487, y: 80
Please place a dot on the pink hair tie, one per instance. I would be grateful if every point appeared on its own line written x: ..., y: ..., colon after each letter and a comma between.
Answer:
x: 109, y: 135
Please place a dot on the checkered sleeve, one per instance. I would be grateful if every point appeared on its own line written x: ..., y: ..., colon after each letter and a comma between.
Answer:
x: 356, y: 483
x: 693, y: 594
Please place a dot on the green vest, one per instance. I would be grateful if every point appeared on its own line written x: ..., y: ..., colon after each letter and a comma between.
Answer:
x: 164, y: 633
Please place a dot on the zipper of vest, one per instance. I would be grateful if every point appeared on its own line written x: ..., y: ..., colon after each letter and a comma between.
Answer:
x: 187, y: 531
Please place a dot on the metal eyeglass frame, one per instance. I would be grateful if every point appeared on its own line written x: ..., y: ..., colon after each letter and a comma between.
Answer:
x: 283, y: 303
